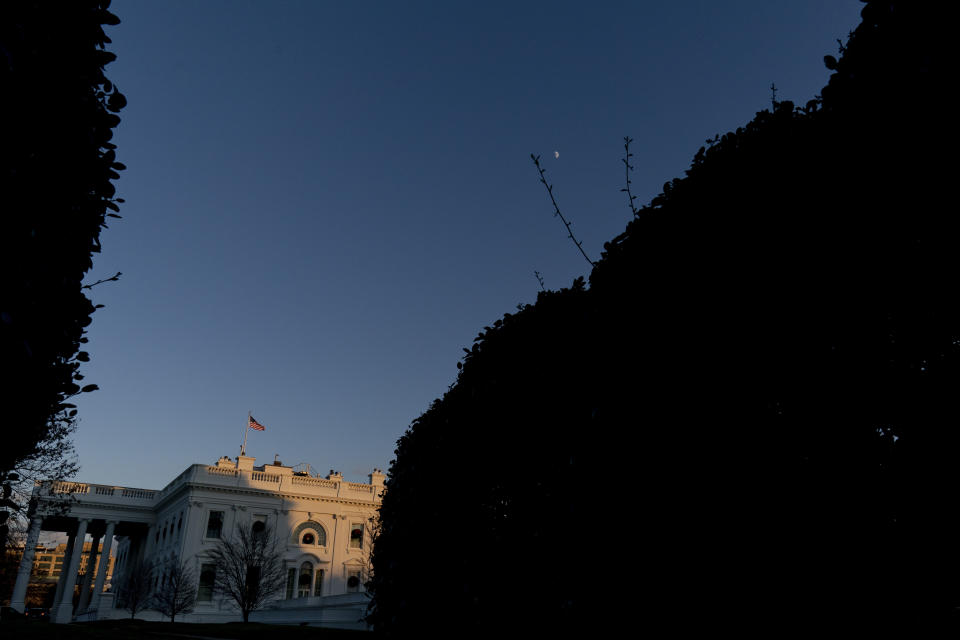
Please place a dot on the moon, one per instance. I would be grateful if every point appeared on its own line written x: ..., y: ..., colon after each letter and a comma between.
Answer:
x: 556, y: 154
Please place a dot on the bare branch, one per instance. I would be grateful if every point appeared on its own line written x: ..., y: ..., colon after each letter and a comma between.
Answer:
x: 627, y: 169
x: 113, y: 278
x: 134, y: 593
x: 177, y: 593
x: 540, y: 280
x: 556, y: 209
x: 249, y: 568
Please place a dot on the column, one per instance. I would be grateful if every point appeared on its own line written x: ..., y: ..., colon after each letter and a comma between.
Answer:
x: 64, y: 612
x: 88, y: 575
x: 334, y: 574
x: 26, y: 566
x: 67, y: 554
x: 104, y: 563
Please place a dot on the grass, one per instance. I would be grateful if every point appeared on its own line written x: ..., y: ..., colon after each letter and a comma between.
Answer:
x: 141, y: 630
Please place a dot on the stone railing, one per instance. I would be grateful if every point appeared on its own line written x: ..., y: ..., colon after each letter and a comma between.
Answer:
x: 260, y: 476
x: 138, y: 493
x: 313, y: 482
x: 222, y: 471
x: 69, y: 487
x: 95, y: 492
x: 359, y: 486
x: 213, y: 476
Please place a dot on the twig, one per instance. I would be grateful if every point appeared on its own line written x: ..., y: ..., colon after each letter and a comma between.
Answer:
x: 113, y: 278
x: 556, y: 209
x: 627, y: 169
x: 773, y: 96
x: 540, y: 280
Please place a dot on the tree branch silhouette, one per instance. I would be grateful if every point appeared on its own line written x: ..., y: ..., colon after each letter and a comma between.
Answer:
x: 627, y: 169
x: 556, y: 209
x: 539, y: 279
x: 112, y: 278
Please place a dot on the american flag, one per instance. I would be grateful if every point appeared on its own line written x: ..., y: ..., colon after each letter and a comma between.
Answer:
x: 256, y: 426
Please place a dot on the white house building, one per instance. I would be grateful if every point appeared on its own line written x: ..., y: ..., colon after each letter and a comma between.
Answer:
x: 323, y: 525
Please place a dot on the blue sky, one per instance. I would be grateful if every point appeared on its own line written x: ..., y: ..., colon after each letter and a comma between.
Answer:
x: 326, y: 202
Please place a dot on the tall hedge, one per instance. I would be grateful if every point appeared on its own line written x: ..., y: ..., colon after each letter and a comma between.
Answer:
x: 57, y: 115
x: 748, y: 421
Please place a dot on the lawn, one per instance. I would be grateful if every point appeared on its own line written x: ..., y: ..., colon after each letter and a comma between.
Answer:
x: 124, y: 629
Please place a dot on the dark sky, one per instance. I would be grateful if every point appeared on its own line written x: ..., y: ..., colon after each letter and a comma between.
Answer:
x: 326, y: 202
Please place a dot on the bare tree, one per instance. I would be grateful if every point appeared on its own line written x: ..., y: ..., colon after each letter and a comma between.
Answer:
x: 177, y: 593
x: 134, y: 593
x: 371, y: 531
x: 249, y: 567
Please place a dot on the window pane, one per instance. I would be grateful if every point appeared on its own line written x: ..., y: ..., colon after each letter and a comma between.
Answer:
x: 353, y: 580
x: 215, y: 524
x: 208, y: 574
x: 356, y: 536
x: 306, y: 577
x: 291, y: 579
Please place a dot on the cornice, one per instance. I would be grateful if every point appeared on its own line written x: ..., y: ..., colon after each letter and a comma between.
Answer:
x: 99, y: 505
x: 282, y: 495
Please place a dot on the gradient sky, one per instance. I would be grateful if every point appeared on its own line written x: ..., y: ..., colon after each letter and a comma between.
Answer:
x: 326, y: 202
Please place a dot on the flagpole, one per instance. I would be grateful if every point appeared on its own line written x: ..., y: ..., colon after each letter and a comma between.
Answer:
x: 243, y: 447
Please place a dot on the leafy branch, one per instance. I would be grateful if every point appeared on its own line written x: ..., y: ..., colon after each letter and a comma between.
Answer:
x: 556, y: 209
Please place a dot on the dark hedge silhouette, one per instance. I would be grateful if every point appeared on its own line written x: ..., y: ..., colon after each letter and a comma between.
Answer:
x: 748, y: 421
x: 56, y: 166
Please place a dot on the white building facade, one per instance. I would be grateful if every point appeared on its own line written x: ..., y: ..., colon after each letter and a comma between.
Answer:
x: 323, y: 527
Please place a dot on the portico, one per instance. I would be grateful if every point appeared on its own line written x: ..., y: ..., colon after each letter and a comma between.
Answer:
x: 82, y: 510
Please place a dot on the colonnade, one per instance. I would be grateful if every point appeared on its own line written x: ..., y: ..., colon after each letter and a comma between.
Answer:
x: 62, y: 609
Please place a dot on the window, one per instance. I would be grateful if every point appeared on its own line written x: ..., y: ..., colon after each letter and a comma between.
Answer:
x: 308, y: 538
x: 353, y: 580
x: 253, y: 579
x: 306, y: 577
x: 208, y: 574
x: 258, y: 527
x: 356, y: 536
x: 215, y: 524
x: 291, y: 581
x: 314, y: 528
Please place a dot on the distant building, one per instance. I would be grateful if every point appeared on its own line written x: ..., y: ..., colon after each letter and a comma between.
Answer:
x: 322, y: 524
x: 48, y: 561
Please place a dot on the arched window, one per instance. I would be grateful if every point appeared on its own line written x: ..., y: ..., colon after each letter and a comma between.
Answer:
x: 305, y: 581
x: 316, y: 531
